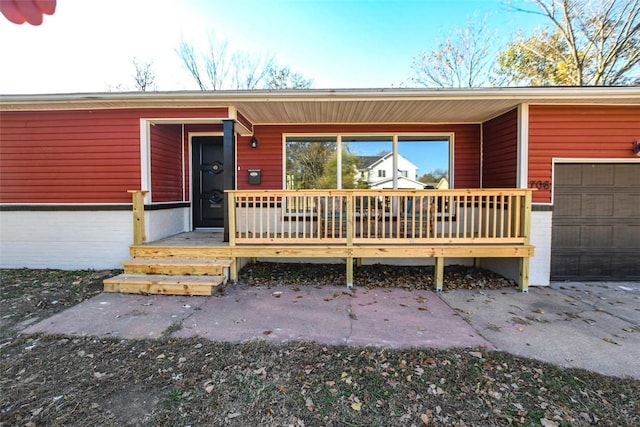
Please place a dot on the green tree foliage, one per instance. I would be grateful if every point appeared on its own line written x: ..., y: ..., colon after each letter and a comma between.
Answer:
x: 540, y: 60
x: 590, y: 43
x: 306, y: 161
x: 350, y: 167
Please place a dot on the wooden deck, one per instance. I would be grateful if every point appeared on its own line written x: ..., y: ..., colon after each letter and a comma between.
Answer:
x: 354, y: 225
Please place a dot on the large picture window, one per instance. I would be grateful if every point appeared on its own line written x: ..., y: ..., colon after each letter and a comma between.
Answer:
x: 363, y: 161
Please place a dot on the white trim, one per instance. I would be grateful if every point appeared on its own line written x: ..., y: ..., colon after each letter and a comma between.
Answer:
x: 481, y: 155
x: 394, y: 160
x: 184, y: 170
x: 361, y: 134
x: 145, y: 159
x: 145, y: 146
x: 339, y: 161
x: 186, y: 120
x: 219, y: 99
x: 283, y: 162
x: 235, y: 159
x: 593, y: 160
x: 523, y: 146
x: 452, y: 137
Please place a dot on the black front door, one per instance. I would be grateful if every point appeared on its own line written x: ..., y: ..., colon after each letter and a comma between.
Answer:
x: 208, y: 181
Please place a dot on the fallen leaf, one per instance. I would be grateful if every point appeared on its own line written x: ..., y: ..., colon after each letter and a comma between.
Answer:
x: 266, y: 332
x: 426, y: 418
x: 309, y: 404
x: 476, y: 354
x: 548, y: 423
x: 356, y: 406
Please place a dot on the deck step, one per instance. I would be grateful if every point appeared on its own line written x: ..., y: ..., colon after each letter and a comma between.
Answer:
x: 177, y: 266
x: 162, y: 284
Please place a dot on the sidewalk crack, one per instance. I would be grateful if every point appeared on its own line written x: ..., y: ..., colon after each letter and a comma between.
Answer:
x: 351, y: 317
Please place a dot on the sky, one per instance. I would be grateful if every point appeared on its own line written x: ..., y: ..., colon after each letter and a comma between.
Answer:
x: 89, y: 45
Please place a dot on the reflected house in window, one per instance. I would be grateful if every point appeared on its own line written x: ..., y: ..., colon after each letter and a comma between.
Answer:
x: 376, y: 172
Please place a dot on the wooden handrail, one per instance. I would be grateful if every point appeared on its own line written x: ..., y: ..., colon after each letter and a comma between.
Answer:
x: 348, y: 217
x: 137, y: 197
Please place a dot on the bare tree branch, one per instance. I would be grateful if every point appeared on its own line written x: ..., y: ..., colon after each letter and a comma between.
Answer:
x: 600, y: 42
x: 145, y: 77
x: 462, y: 60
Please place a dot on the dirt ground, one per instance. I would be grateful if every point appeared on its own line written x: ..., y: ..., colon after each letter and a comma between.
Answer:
x: 61, y: 380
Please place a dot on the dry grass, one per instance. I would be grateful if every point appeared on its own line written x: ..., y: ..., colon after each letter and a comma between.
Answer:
x: 59, y: 380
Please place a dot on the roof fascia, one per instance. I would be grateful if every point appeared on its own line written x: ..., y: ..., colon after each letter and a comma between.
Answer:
x: 531, y: 95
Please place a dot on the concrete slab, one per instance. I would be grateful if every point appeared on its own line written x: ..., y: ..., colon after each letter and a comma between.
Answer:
x: 560, y: 324
x: 403, y: 319
x: 274, y: 314
x: 119, y: 315
x: 594, y: 326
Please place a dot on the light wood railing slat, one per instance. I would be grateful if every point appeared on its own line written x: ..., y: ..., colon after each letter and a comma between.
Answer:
x: 380, y: 216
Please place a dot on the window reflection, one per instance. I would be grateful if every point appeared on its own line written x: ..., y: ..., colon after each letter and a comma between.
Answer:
x: 367, y: 162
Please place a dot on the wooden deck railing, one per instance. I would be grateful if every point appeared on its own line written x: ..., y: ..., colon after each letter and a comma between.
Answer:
x: 347, y: 217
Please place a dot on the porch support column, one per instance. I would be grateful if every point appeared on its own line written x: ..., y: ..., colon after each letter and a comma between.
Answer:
x: 526, y: 233
x: 439, y: 273
x: 229, y: 160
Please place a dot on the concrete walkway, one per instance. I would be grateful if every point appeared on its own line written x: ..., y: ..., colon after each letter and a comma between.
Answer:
x: 592, y: 326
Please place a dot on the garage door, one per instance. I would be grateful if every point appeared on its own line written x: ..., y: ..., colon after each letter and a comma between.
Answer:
x: 596, y: 222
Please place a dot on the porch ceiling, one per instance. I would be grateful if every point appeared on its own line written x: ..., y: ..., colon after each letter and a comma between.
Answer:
x: 340, y: 105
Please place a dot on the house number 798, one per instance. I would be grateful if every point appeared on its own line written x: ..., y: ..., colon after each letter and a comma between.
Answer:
x: 540, y: 185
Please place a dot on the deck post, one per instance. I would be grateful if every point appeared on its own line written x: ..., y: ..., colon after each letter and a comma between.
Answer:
x: 349, y: 272
x: 350, y: 214
x: 439, y: 273
x: 231, y: 215
x: 525, y: 225
x: 137, y: 201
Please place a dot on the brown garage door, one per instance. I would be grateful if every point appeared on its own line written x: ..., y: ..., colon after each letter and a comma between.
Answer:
x: 596, y: 222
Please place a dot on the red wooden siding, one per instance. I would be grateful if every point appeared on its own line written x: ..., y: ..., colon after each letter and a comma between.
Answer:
x: 500, y: 151
x: 76, y: 156
x: 583, y: 132
x: 69, y: 156
x: 166, y: 163
x: 268, y: 155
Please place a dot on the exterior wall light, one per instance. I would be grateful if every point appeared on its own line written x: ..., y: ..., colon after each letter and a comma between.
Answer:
x: 636, y: 147
x: 254, y: 142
